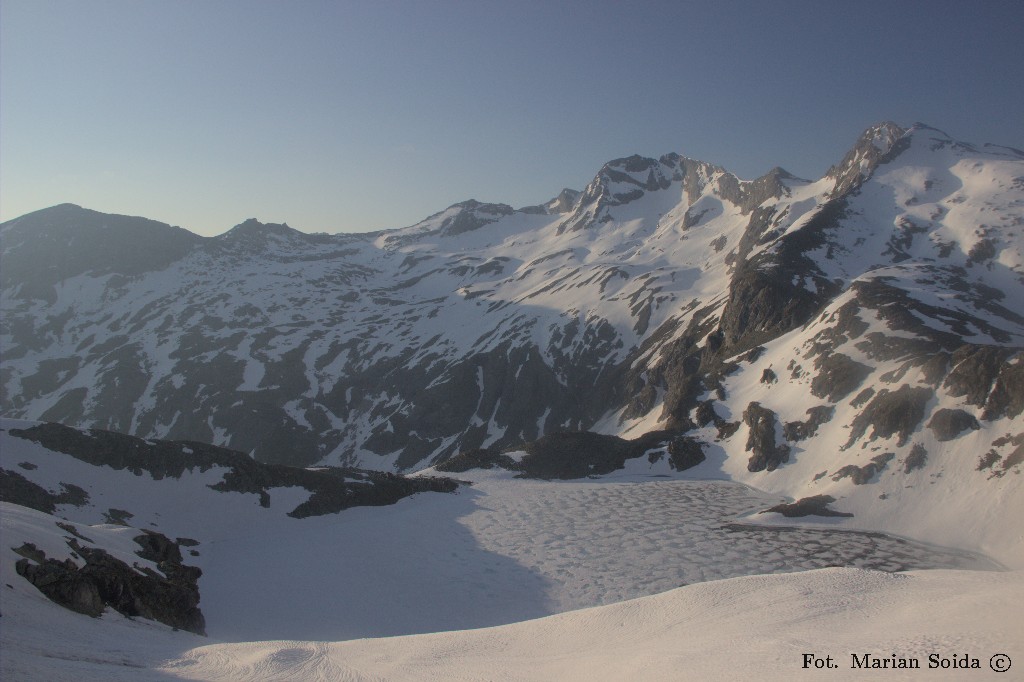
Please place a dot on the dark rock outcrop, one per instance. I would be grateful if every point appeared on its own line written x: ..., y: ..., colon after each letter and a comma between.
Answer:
x: 767, y: 455
x: 816, y: 505
x: 17, y: 489
x: 685, y: 453
x: 334, y: 489
x: 583, y: 453
x: 838, y: 376
x: 896, y: 412
x: 816, y: 416
x: 974, y: 370
x: 948, y: 424
x: 863, y: 474
x: 171, y: 598
x: 479, y: 458
x: 1007, y: 396
x: 916, y: 459
x: 576, y: 454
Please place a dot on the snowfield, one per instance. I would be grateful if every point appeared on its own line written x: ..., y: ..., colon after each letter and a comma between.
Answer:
x: 752, y: 628
x: 638, y: 575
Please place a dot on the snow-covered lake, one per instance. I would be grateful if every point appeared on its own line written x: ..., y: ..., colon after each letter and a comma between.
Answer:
x: 508, y: 550
x: 323, y: 598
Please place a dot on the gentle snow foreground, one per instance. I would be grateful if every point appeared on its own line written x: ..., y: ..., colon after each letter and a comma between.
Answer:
x: 313, y: 599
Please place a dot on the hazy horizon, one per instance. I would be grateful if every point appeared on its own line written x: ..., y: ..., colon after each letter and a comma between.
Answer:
x: 353, y: 117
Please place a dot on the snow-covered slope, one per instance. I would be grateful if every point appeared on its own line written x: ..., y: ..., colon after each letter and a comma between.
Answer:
x: 568, y: 579
x: 857, y: 337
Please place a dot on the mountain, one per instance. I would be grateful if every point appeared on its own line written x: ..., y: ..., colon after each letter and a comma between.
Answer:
x: 807, y: 336
x: 654, y: 393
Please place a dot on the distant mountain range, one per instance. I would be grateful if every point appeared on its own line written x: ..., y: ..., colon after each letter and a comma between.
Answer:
x: 807, y: 337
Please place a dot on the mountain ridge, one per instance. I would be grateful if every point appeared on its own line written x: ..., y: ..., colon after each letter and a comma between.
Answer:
x: 766, y: 319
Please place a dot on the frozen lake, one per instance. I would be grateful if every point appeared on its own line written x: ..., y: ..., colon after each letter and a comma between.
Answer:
x: 506, y: 550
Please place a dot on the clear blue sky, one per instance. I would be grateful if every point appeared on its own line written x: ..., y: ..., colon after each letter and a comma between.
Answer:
x: 355, y: 116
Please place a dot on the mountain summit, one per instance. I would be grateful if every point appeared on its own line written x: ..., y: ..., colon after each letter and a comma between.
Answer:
x: 808, y: 336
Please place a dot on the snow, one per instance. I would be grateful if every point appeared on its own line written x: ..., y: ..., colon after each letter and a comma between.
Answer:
x: 642, y: 574
x: 515, y: 580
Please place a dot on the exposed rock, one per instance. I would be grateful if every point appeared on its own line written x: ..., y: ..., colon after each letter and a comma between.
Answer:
x: 118, y: 517
x: 838, y: 376
x: 685, y: 453
x: 796, y: 431
x: 74, y: 531
x: 1011, y: 460
x: 727, y: 429
x: 577, y: 454
x: 768, y: 376
x: 764, y: 303
x: 330, y: 364
x: 60, y: 581
x: 767, y: 455
x: 933, y: 370
x: 947, y: 423
x: 17, y: 489
x: 1007, y: 396
x: 896, y: 412
x: 69, y: 240
x: 863, y: 474
x: 334, y: 489
x: 172, y: 598
x: 916, y: 459
x: 975, y: 369
x: 877, y: 144
x: 816, y: 505
x: 863, y: 397
x: 882, y: 347
x: 705, y: 413
x: 480, y: 458
x: 580, y: 454
x: 987, y: 460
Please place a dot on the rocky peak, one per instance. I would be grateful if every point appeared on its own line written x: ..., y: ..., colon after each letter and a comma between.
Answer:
x: 875, y: 144
x: 564, y: 202
x: 253, y: 236
x: 254, y: 228
x: 748, y: 195
x: 471, y: 215
x: 619, y: 182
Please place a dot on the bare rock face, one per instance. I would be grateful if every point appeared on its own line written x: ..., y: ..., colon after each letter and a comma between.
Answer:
x: 580, y: 454
x: 896, y: 412
x: 171, y: 598
x: 948, y: 424
x: 60, y: 581
x: 816, y: 416
x: 767, y: 455
x: 838, y: 376
x: 1007, y: 396
x: 916, y: 459
x: 817, y: 505
x: 334, y: 489
x: 685, y: 453
x: 17, y: 489
x: 975, y: 368
x: 863, y: 474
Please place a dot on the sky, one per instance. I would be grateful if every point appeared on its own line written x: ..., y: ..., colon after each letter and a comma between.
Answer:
x: 350, y: 116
